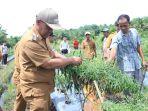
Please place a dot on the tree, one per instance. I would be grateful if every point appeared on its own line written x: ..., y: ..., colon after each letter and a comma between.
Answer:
x: 3, y: 35
x: 13, y: 40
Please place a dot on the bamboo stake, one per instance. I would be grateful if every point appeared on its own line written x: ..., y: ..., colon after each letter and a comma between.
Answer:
x: 98, y: 91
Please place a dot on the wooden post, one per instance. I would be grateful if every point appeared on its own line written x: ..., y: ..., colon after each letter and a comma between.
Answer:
x: 98, y: 91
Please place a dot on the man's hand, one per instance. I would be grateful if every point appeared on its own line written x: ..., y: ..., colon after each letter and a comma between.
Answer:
x: 52, y: 54
x: 76, y: 60
x: 144, y: 64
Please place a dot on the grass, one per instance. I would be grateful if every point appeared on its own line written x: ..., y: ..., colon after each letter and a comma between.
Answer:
x: 9, y: 94
x: 11, y: 51
x: 139, y: 102
x: 112, y: 106
x: 6, y: 73
x: 9, y: 97
x: 144, y: 41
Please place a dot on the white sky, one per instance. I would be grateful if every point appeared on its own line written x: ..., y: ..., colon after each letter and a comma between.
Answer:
x: 17, y: 15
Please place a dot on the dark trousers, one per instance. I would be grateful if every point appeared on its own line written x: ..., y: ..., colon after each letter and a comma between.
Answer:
x: 4, y: 59
x: 1, y: 109
x: 64, y: 51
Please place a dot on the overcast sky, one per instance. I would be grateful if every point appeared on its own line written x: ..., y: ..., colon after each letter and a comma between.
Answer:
x: 17, y: 15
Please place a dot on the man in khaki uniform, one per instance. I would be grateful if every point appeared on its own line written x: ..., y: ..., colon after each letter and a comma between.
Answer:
x: 88, y: 47
x: 37, y: 61
x: 20, y: 104
x: 106, y: 34
x: 89, y: 51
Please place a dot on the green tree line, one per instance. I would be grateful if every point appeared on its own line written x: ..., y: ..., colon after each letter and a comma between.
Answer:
x: 10, y: 41
x: 139, y: 23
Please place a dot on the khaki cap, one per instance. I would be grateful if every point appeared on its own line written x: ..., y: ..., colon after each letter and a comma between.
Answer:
x: 105, y: 30
x: 50, y: 17
x: 87, y: 33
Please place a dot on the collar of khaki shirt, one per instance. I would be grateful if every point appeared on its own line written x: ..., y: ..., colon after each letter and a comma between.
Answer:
x: 37, y: 37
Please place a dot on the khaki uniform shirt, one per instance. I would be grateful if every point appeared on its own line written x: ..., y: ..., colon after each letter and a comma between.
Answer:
x: 16, y: 74
x: 109, y: 39
x: 89, y: 49
x: 34, y: 50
